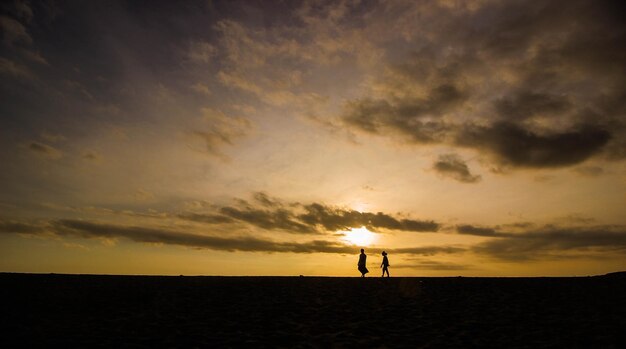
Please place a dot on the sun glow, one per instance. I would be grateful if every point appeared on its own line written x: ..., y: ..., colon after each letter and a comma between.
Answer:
x: 359, y: 236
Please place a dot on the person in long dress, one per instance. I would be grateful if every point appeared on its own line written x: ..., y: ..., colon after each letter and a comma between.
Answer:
x: 362, y: 263
x: 385, y: 264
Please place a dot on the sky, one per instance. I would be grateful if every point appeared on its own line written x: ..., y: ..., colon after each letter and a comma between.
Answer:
x: 473, y: 138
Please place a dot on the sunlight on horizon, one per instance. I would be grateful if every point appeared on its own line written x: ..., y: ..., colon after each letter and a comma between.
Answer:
x: 359, y: 236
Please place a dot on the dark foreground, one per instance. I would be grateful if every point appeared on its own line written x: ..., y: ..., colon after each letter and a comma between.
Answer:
x: 144, y: 311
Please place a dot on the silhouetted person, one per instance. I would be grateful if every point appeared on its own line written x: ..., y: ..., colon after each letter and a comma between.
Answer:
x: 362, y: 262
x: 385, y: 264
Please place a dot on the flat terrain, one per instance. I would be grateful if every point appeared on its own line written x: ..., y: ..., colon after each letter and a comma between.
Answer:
x: 146, y: 311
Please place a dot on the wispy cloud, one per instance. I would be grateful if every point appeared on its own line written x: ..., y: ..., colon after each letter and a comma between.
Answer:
x: 44, y: 150
x: 11, y: 68
x: 14, y: 22
x: 13, y: 31
x: 589, y: 171
x: 201, y: 89
x: 201, y: 52
x: 220, y: 130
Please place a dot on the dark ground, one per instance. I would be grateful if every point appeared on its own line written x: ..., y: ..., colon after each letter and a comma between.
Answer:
x: 145, y: 311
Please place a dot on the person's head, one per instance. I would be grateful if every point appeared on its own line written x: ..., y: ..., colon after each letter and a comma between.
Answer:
x: 362, y: 251
x: 384, y: 253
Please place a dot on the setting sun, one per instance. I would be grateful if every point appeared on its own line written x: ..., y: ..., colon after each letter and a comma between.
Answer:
x: 359, y: 236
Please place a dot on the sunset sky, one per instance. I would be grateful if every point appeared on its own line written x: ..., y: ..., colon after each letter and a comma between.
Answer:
x: 475, y: 138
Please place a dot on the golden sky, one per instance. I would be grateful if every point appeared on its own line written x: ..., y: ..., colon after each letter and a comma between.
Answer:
x: 278, y: 138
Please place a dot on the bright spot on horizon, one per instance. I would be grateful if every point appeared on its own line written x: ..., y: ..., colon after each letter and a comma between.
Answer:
x: 359, y: 236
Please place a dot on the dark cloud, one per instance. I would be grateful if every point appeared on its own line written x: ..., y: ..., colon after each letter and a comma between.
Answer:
x: 513, y: 80
x: 19, y: 228
x: 452, y: 166
x: 271, y: 213
x: 519, y: 225
x: 408, y: 116
x: 525, y: 104
x: 514, y: 145
x: 528, y: 242
x: 165, y: 236
x: 206, y: 218
x: 341, y: 219
x: 319, y: 215
x: 473, y: 230
x: 551, y: 241
x: 268, y: 219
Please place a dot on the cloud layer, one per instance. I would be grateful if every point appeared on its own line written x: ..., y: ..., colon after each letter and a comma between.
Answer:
x: 512, y: 243
x: 314, y: 218
x: 546, y: 242
x: 513, y: 81
x: 97, y: 230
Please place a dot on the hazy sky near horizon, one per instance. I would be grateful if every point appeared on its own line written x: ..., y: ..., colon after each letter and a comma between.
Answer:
x: 278, y: 138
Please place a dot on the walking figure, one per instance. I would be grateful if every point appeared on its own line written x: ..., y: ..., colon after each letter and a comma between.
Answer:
x: 362, y: 263
x: 385, y: 264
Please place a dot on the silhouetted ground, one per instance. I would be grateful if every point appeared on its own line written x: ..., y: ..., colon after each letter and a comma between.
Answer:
x: 145, y: 311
